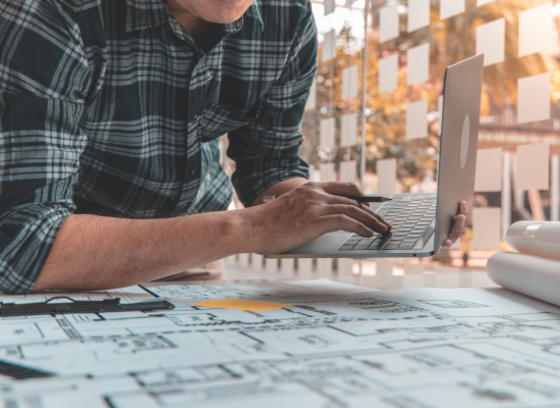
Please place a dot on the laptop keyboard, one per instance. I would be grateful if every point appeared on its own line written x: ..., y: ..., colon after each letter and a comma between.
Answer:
x: 413, y: 221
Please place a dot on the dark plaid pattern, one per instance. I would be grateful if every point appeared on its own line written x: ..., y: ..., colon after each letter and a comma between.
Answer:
x: 108, y: 107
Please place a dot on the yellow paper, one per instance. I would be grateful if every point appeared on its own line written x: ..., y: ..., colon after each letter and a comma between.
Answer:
x: 241, y: 304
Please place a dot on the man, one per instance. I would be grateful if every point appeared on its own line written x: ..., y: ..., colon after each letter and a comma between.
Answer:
x: 110, y: 113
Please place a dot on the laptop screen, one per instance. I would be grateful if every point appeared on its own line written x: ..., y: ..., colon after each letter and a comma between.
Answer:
x: 459, y: 141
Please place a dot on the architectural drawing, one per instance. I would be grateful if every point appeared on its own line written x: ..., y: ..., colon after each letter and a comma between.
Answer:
x: 411, y: 348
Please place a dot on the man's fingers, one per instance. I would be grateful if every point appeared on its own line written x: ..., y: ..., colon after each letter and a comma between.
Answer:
x: 464, y: 210
x: 447, y: 244
x: 379, y: 217
x: 357, y: 213
x: 459, y: 222
x: 333, y: 200
x: 337, y: 222
x: 342, y: 189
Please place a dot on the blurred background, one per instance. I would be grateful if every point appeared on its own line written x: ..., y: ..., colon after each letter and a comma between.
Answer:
x: 408, y: 45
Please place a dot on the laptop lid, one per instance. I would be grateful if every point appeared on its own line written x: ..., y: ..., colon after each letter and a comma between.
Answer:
x: 459, y: 141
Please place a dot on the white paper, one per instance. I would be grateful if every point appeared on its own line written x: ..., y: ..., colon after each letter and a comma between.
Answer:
x: 327, y: 133
x: 311, y: 103
x: 386, y: 176
x: 418, y: 64
x: 532, y: 162
x: 350, y: 2
x: 533, y: 98
x: 491, y: 40
x: 330, y: 6
x: 389, y: 23
x: 536, y: 238
x: 327, y: 172
x: 418, y: 14
x: 535, y: 30
x: 350, y: 82
x: 531, y: 275
x: 459, y: 348
x: 483, y: 2
x: 489, y: 168
x: 417, y: 120
x: 388, y: 73
x: 329, y: 46
x: 450, y: 8
x: 487, y: 228
x: 349, y: 130
x: 348, y: 171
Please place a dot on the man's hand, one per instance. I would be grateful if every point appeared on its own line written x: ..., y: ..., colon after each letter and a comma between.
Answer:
x: 459, y: 223
x: 306, y: 213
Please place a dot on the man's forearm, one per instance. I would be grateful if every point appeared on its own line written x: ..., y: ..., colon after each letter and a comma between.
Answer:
x: 94, y: 252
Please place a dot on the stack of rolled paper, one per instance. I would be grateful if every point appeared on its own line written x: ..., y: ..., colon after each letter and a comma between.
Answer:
x: 535, y: 269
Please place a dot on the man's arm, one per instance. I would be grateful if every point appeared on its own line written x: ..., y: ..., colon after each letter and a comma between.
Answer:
x: 94, y: 252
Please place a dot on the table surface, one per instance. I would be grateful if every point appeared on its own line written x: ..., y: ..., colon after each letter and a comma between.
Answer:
x: 335, y: 345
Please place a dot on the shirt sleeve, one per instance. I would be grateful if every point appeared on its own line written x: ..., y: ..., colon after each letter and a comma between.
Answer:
x: 266, y: 151
x: 43, y: 75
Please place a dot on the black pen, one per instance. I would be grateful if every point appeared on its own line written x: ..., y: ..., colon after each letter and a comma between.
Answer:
x: 360, y: 199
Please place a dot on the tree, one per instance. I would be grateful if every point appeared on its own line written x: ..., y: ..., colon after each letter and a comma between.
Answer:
x: 451, y: 40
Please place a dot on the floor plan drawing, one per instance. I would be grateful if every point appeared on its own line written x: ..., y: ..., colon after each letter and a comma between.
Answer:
x: 337, y: 346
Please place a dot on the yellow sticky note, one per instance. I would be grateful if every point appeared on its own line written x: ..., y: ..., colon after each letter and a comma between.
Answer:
x: 241, y: 304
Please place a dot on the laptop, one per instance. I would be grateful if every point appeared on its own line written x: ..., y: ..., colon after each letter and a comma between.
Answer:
x: 422, y: 222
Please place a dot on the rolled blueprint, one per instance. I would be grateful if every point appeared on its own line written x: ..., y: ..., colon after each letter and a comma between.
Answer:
x: 530, y: 275
x: 535, y: 238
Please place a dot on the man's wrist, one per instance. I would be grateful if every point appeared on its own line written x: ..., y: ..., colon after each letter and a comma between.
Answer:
x: 249, y: 232
x: 236, y: 229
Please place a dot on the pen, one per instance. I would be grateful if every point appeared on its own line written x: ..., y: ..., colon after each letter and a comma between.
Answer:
x: 360, y: 199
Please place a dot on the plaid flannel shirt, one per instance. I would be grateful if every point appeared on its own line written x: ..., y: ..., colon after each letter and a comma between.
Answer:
x: 109, y: 107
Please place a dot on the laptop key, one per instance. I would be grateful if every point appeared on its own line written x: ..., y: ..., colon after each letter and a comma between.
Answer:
x: 406, y: 245
x: 391, y: 246
x: 377, y: 245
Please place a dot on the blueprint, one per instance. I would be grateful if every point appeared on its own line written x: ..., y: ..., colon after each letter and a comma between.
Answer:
x: 337, y: 346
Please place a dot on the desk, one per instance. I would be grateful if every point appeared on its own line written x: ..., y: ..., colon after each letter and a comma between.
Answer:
x: 338, y: 345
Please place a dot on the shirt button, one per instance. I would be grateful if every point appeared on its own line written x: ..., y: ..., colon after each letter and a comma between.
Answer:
x: 193, y: 170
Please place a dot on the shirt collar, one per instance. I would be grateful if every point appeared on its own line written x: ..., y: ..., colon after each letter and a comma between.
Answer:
x: 144, y: 14
x: 253, y: 12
